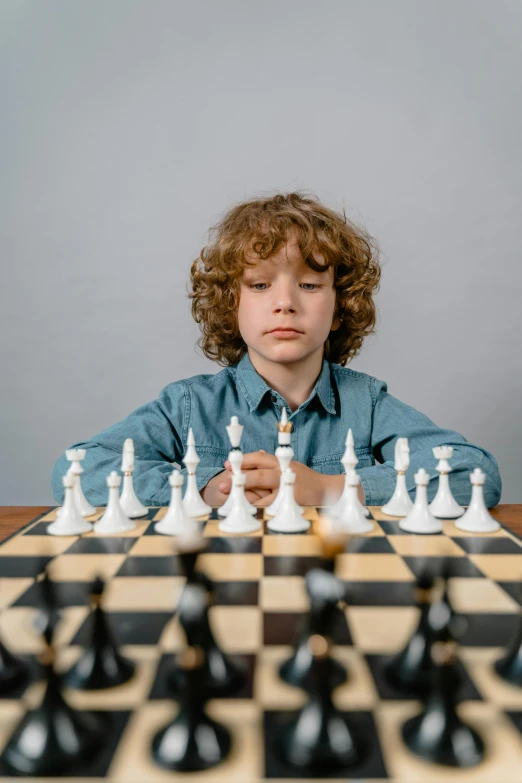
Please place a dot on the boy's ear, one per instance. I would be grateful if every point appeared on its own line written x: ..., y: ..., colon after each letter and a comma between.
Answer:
x: 335, y: 324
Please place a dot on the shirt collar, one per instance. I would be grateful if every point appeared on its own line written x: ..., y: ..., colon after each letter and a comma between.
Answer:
x: 254, y: 387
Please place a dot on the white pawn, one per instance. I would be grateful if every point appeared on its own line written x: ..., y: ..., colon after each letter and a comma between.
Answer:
x: 193, y: 503
x: 70, y: 522
x: 349, y: 461
x: 75, y: 456
x: 444, y: 504
x: 114, y: 520
x: 420, y: 519
x: 284, y: 454
x: 289, y: 518
x: 176, y: 522
x: 235, y: 456
x: 128, y: 500
x: 240, y: 519
x: 351, y: 519
x: 477, y: 518
x: 400, y: 503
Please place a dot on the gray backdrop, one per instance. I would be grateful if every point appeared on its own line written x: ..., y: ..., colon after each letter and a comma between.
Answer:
x: 128, y: 127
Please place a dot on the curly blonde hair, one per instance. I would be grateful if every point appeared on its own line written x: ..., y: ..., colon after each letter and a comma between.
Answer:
x: 260, y: 227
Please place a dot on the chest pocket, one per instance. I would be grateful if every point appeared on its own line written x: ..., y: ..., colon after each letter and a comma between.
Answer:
x: 331, y: 463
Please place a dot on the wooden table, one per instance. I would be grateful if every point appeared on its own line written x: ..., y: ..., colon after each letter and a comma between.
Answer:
x: 12, y: 518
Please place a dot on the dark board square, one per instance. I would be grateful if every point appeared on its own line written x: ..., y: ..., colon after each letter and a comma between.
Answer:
x: 370, y: 545
x: 34, y: 672
x: 460, y: 566
x: 236, y: 593
x: 363, y: 727
x: 98, y: 763
x: 286, y: 627
x: 288, y: 565
x: 514, y: 589
x: 160, y: 565
x: 377, y: 663
x: 13, y: 566
x: 379, y: 593
x: 489, y: 630
x: 67, y: 594
x: 40, y: 529
x: 101, y: 546
x: 391, y: 527
x: 161, y: 689
x: 482, y: 545
x: 516, y: 719
x: 325, y: 510
x: 127, y: 627
x: 241, y: 545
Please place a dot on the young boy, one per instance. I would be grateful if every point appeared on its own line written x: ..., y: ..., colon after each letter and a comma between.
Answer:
x: 283, y: 294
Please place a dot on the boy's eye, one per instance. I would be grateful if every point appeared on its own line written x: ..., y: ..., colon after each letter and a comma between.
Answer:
x: 255, y: 286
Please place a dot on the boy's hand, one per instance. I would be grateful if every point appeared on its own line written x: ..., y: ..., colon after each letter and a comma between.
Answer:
x: 212, y: 495
x: 263, y: 473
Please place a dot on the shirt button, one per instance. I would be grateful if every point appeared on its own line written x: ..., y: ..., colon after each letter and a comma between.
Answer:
x: 273, y: 398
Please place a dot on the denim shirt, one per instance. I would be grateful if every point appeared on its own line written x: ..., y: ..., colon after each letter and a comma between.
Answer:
x: 341, y: 398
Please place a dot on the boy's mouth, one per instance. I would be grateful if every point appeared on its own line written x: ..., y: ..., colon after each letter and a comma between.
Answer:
x: 284, y: 332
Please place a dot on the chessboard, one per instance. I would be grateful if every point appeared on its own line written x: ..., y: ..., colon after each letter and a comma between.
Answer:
x: 259, y: 606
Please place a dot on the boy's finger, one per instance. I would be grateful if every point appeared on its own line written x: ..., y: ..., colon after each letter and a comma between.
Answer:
x: 259, y: 459
x: 263, y: 478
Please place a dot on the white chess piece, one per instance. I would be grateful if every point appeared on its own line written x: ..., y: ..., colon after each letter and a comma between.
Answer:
x: 477, y: 518
x: 420, y: 519
x: 176, y: 522
x: 75, y: 456
x: 351, y: 519
x: 289, y: 518
x: 235, y: 456
x: 128, y: 500
x: 444, y: 505
x: 349, y: 461
x: 239, y: 520
x: 193, y: 503
x: 400, y: 503
x: 284, y: 454
x: 70, y: 522
x: 114, y: 520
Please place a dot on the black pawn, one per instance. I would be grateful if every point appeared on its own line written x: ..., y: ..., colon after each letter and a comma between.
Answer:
x: 509, y: 667
x: 101, y: 665
x: 319, y: 739
x: 324, y: 591
x: 192, y: 741
x: 438, y: 734
x: 14, y: 673
x: 53, y: 738
x: 410, y: 670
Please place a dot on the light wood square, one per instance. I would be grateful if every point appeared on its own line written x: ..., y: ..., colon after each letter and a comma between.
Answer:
x: 237, y: 628
x: 11, y: 589
x: 377, y: 629
x: 421, y: 546
x: 479, y: 595
x: 37, y: 545
x: 479, y: 662
x: 284, y: 594
x: 450, y: 529
x: 163, y: 510
x: 270, y: 691
x: 290, y: 545
x: 84, y: 568
x: 51, y: 516
x: 231, y: 567
x: 154, y: 545
x: 212, y: 530
x: 133, y: 763
x: 373, y: 567
x: 503, y: 568
x: 172, y: 637
x: 143, y: 593
x: 19, y: 634
x: 503, y: 759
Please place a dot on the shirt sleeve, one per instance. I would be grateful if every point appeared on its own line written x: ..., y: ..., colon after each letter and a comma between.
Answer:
x: 159, y: 430
x: 393, y: 419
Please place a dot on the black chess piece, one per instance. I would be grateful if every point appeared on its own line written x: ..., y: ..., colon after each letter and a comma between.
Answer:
x: 14, y: 673
x: 54, y: 738
x: 192, y: 741
x: 222, y: 676
x: 509, y: 666
x: 410, y: 670
x: 319, y: 739
x: 438, y: 734
x: 101, y: 665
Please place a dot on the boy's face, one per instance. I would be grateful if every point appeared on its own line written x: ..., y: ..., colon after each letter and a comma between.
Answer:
x: 282, y: 291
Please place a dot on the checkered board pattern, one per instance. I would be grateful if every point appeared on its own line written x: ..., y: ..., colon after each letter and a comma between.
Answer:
x: 260, y: 604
